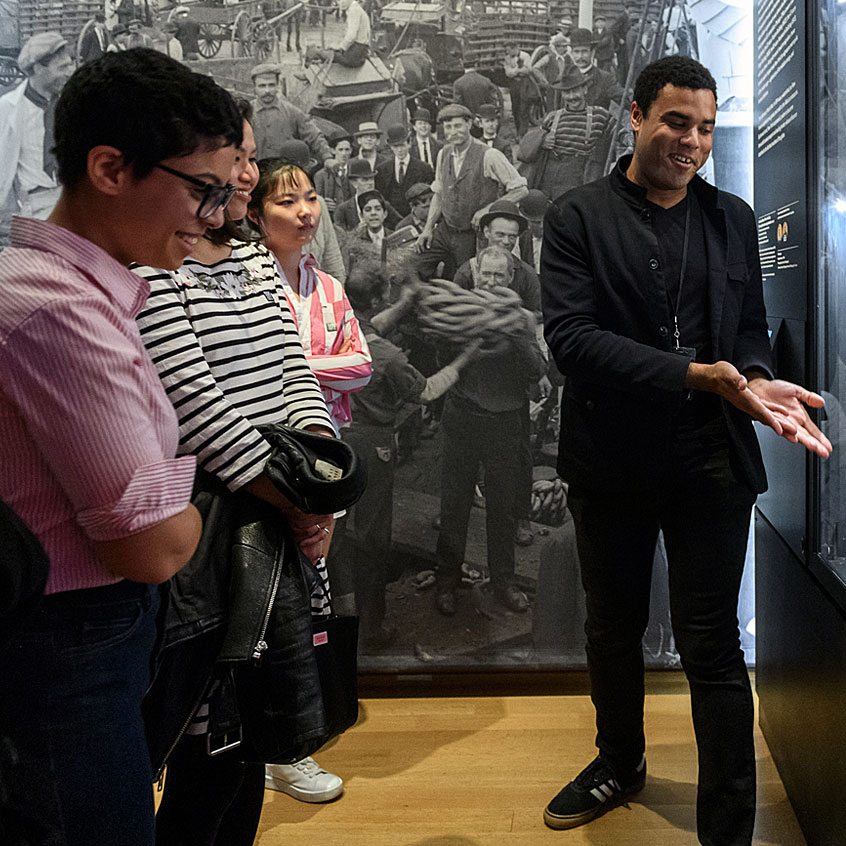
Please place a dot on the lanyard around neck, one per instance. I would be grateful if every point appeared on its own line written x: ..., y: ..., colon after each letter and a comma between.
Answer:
x: 676, y: 333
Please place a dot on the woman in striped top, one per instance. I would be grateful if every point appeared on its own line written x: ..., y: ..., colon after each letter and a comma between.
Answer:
x: 285, y: 209
x: 227, y: 351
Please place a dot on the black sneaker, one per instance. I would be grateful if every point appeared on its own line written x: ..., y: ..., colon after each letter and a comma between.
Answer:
x: 595, y: 790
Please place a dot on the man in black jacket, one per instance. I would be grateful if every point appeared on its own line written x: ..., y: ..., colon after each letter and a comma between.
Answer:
x: 653, y: 309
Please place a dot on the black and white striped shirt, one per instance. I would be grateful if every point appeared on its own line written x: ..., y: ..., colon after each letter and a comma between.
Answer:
x: 228, y: 353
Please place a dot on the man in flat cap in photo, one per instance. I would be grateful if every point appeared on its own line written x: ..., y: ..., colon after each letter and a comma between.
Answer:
x: 603, y: 88
x: 276, y: 119
x: 424, y: 145
x: 395, y: 175
x: 28, y: 183
x: 469, y: 176
x: 419, y: 198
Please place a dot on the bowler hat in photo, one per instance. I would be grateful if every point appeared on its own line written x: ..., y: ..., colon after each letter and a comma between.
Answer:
x: 581, y: 37
x: 40, y: 47
x: 296, y: 152
x: 334, y: 140
x: 418, y: 191
x: 119, y: 29
x: 487, y: 111
x: 454, y: 110
x: 360, y: 169
x: 571, y: 78
x: 422, y: 114
x: 397, y: 134
x: 369, y: 127
x: 534, y: 205
x: 265, y: 69
x: 504, y: 208
x: 365, y: 197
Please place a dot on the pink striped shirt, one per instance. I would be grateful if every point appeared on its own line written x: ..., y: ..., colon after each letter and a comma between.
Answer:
x: 325, y: 320
x: 87, y: 435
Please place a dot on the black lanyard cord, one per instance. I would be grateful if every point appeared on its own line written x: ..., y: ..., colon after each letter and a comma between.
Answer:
x: 676, y: 333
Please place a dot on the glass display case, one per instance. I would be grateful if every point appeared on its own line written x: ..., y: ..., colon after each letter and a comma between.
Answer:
x: 831, y: 223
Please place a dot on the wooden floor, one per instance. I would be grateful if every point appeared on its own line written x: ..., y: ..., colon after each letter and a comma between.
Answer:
x: 479, y: 771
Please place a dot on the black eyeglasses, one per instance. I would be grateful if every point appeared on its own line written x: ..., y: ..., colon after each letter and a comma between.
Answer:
x: 214, y: 196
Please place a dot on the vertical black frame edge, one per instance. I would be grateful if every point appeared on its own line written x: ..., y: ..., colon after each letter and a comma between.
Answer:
x: 814, y: 327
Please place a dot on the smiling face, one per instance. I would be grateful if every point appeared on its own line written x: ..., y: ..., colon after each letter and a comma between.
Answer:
x: 457, y: 131
x: 290, y: 215
x: 368, y: 142
x: 502, y: 232
x: 672, y: 142
x: 244, y: 175
x: 422, y: 127
x: 373, y: 214
x: 158, y: 214
x: 575, y: 99
x: 493, y: 271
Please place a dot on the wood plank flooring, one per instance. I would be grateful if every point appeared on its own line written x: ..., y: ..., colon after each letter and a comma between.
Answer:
x: 473, y: 771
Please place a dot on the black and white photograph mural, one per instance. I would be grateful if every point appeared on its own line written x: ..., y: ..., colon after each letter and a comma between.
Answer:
x: 436, y: 134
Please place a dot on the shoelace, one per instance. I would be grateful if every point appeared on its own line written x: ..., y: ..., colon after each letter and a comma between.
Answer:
x: 596, y: 773
x: 309, y: 767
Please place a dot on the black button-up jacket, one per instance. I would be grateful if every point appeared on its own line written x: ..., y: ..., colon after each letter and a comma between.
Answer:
x: 606, y: 322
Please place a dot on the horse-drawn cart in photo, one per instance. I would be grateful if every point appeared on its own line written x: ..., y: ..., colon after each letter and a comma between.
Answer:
x: 252, y: 26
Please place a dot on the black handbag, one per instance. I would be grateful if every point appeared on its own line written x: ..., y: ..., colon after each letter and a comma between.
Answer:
x: 318, y: 474
x: 297, y: 688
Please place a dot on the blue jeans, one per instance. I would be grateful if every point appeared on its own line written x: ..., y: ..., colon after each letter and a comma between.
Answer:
x: 704, y: 512
x: 72, y: 682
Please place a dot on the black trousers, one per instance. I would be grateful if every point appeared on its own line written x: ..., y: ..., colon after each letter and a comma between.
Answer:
x: 471, y: 439
x: 368, y: 554
x: 704, y: 511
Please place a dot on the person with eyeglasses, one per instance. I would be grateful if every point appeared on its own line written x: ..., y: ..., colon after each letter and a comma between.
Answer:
x: 89, y: 439
x: 229, y: 355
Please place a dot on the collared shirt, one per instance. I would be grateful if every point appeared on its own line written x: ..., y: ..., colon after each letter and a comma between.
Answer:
x: 495, y: 166
x: 325, y: 321
x: 401, y: 164
x: 358, y: 26
x: 22, y: 147
x: 87, y: 434
x: 424, y: 150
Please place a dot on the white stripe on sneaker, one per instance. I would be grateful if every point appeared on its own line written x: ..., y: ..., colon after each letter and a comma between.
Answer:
x: 598, y: 794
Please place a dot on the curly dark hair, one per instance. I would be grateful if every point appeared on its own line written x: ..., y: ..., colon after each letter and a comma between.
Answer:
x: 145, y: 104
x: 681, y: 71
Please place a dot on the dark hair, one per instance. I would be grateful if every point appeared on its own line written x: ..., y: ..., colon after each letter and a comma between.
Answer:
x: 681, y: 71
x: 145, y: 104
x: 232, y: 229
x: 272, y: 174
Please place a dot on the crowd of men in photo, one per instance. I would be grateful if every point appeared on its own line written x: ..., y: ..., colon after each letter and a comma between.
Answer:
x: 447, y: 193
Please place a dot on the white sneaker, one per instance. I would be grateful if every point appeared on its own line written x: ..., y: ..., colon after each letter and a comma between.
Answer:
x: 306, y: 780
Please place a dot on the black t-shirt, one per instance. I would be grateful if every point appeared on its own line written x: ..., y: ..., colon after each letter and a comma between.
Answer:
x: 691, y: 307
